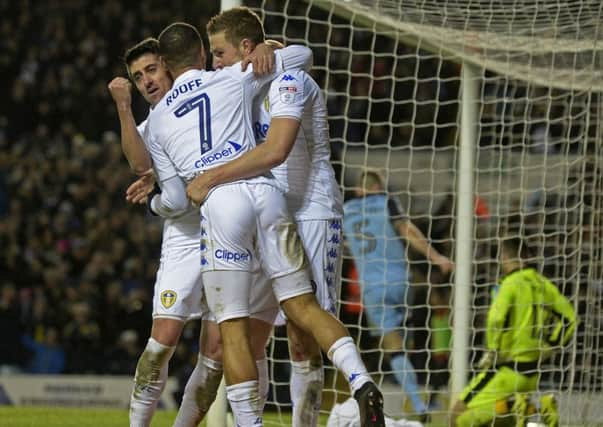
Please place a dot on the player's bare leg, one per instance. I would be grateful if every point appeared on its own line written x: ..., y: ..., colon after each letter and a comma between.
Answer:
x: 333, y: 338
x: 240, y: 372
x: 202, y: 385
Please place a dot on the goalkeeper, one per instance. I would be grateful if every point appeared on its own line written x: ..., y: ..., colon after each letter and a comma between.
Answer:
x: 528, y: 319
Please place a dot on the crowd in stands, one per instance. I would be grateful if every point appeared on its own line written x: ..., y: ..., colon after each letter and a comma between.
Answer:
x: 77, y: 263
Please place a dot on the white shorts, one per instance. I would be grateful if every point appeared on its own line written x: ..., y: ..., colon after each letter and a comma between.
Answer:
x: 263, y: 305
x: 322, y: 242
x: 238, y: 221
x: 178, y: 287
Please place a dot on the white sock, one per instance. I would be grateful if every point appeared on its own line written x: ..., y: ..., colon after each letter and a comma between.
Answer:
x: 345, y: 356
x: 307, y: 380
x: 263, y: 383
x: 149, y: 381
x: 200, y: 392
x: 244, y: 401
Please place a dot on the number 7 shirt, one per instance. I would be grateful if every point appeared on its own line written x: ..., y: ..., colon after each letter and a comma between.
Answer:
x: 206, y: 118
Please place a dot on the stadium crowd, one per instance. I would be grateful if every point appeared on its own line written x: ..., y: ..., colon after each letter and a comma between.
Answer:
x: 77, y: 263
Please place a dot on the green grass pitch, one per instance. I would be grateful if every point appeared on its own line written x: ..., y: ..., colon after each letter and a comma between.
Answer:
x: 24, y: 416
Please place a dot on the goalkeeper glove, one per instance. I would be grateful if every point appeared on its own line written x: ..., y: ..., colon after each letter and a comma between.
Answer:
x: 487, y: 360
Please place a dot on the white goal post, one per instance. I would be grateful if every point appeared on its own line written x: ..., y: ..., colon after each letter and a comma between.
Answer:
x: 485, y: 118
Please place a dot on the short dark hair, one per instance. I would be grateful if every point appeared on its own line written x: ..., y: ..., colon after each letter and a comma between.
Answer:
x: 515, y: 246
x: 148, y: 45
x: 237, y: 23
x: 179, y: 45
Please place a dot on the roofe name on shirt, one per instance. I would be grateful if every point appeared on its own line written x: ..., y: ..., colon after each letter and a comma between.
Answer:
x: 183, y: 88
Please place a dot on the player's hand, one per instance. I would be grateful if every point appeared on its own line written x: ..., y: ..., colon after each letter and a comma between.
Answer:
x: 198, y: 189
x: 138, y: 191
x: 446, y: 266
x: 262, y: 59
x: 121, y: 91
x: 487, y: 360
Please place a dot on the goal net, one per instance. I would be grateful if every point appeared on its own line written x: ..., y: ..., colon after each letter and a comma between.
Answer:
x: 391, y: 72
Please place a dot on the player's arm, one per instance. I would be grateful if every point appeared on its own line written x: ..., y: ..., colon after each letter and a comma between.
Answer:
x: 565, y: 318
x: 409, y: 231
x: 168, y: 199
x: 274, y: 43
x: 274, y: 151
x: 131, y: 142
x: 295, y: 57
x: 497, y: 316
x: 264, y: 57
x: 291, y: 58
x: 287, y: 101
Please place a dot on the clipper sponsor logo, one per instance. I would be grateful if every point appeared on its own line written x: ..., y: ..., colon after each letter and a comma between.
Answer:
x: 206, y: 161
x: 168, y: 298
x: 230, y: 256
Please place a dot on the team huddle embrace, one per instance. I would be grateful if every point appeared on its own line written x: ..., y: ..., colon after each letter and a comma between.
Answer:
x: 252, y: 229
x: 236, y: 161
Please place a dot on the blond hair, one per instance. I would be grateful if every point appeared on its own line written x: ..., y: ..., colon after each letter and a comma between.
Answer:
x: 237, y: 24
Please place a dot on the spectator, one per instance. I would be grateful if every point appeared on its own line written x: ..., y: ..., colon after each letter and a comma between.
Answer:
x: 48, y: 356
x: 11, y: 350
x: 123, y: 357
x: 82, y: 340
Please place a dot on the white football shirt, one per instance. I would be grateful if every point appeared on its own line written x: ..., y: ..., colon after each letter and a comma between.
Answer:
x: 307, y: 176
x: 205, y: 120
x: 183, y: 231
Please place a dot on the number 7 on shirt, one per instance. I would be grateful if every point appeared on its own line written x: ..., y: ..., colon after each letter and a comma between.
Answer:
x: 201, y: 103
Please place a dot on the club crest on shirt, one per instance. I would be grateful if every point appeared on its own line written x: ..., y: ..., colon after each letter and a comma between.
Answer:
x: 168, y: 298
